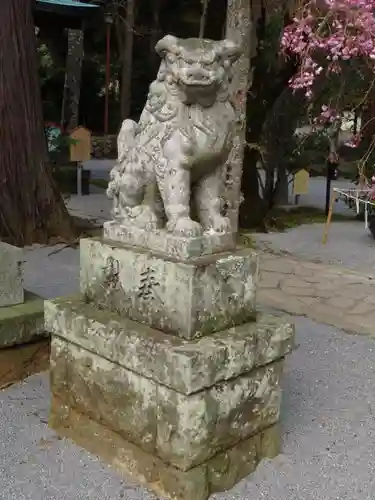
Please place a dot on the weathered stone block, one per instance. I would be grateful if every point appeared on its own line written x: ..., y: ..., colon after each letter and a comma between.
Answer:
x: 189, y: 299
x: 11, y: 282
x: 185, y: 366
x: 183, y: 431
x: 184, y: 401
x: 220, y: 473
x: 228, y: 468
x: 162, y: 242
x: 193, y: 429
x: 22, y: 323
x: 106, y: 392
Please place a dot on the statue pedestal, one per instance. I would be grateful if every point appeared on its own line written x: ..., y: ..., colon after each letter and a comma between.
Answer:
x: 185, y: 298
x: 161, y: 242
x: 163, y: 368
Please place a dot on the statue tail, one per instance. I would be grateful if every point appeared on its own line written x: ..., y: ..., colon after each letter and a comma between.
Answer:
x: 125, y: 139
x: 125, y: 142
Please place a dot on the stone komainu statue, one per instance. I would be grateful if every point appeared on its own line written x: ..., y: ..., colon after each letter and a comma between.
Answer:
x: 170, y: 164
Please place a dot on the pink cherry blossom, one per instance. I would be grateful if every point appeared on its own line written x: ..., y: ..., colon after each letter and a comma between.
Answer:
x: 333, y: 31
x: 324, y: 36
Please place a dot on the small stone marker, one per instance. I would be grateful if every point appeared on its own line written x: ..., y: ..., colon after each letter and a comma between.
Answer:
x: 21, y: 313
x: 11, y: 287
x: 80, y: 151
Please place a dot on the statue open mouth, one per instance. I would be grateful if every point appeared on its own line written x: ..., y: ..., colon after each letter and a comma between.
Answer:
x: 197, y: 79
x: 198, y: 91
x: 198, y: 84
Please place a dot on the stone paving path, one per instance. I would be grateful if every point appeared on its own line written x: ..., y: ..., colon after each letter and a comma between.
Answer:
x: 325, y: 293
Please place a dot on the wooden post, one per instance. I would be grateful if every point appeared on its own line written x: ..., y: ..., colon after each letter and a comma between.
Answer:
x: 79, y: 178
x: 329, y: 218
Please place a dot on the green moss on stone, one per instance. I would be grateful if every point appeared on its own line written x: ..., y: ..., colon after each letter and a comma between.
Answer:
x: 22, y: 323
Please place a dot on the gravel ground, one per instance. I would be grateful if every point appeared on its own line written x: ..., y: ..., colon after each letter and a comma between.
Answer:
x: 328, y: 431
x: 96, y: 206
x: 349, y: 244
x: 51, y: 271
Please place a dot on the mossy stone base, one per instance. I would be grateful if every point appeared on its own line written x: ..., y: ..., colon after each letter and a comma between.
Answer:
x: 22, y: 323
x: 218, y: 474
x: 184, y: 366
x: 182, y: 401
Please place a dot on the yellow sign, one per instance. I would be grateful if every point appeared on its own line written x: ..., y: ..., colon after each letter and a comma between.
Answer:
x: 301, y: 182
x: 80, y: 148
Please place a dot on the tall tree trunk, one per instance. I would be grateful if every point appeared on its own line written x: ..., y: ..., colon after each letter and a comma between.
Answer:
x: 203, y: 20
x: 31, y: 209
x: 238, y: 29
x: 72, y: 87
x: 252, y: 209
x: 127, y: 59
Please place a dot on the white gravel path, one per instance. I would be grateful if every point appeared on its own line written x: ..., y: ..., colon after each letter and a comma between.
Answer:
x: 328, y: 432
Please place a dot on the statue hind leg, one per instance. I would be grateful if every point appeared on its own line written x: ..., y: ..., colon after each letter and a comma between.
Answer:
x: 139, y: 202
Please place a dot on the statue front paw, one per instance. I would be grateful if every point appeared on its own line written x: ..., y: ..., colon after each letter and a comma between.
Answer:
x: 184, y: 226
x: 221, y: 224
